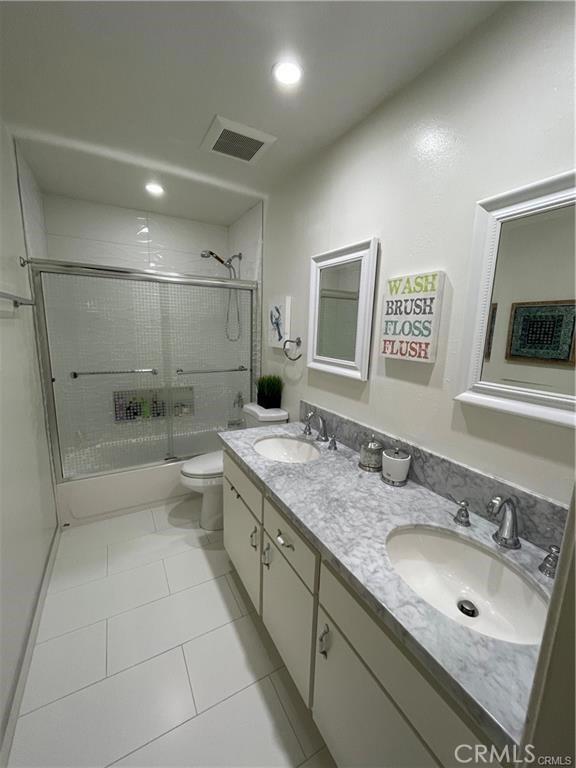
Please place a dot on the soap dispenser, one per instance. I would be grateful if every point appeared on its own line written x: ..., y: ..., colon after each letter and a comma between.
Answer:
x: 371, y: 455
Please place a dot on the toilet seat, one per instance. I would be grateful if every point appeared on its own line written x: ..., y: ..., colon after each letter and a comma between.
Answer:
x: 208, y: 466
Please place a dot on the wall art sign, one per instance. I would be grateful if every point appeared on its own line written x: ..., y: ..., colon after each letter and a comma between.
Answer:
x: 411, y: 316
x: 279, y: 320
x: 542, y: 332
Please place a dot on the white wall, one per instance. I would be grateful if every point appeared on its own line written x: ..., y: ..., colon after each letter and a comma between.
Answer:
x: 494, y: 114
x: 27, y: 508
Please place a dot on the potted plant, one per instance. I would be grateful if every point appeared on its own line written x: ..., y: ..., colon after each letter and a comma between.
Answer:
x: 269, y: 391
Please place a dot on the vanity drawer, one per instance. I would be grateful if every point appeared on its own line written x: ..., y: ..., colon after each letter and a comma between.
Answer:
x: 250, y: 493
x: 298, y: 552
x: 433, y: 718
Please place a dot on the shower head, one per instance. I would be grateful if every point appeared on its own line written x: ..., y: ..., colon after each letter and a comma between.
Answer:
x: 212, y: 255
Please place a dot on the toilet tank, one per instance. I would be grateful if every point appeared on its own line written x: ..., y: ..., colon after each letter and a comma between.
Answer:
x: 256, y: 416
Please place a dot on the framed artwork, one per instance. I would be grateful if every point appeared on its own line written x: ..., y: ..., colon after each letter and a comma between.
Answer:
x: 542, y: 332
x: 279, y: 320
x: 411, y: 316
x: 490, y: 330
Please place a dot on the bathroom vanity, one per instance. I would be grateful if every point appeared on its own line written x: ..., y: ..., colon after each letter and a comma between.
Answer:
x: 386, y: 675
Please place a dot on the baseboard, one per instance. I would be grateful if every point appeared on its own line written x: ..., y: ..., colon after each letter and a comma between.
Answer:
x: 27, y: 657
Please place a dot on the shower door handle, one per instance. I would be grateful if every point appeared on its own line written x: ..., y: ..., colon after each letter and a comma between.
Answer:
x: 76, y: 374
x: 182, y: 372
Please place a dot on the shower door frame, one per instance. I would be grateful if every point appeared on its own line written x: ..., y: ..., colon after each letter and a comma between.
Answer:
x: 39, y: 267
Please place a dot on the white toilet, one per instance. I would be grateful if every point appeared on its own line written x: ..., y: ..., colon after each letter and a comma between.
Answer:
x: 205, y: 474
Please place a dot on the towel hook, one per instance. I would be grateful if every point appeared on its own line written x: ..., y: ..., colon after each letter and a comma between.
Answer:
x: 298, y: 342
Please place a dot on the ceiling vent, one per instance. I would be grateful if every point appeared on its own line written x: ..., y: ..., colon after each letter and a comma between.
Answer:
x: 241, y: 142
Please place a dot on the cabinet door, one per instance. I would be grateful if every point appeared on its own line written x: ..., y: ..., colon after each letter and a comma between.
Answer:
x: 357, y: 720
x: 288, y: 614
x: 242, y: 541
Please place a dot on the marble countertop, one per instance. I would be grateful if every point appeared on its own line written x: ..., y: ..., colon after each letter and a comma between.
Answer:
x: 347, y: 514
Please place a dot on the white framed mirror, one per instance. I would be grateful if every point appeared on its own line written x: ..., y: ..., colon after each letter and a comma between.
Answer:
x: 341, y: 305
x: 522, y: 314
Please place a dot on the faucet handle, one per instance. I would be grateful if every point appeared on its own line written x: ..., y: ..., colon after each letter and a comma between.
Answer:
x: 308, y: 429
x: 549, y: 564
x: 493, y: 505
x: 332, y: 445
x: 462, y: 517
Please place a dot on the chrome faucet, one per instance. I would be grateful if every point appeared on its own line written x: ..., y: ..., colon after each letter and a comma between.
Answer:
x: 322, y: 435
x: 507, y: 534
x: 307, y: 428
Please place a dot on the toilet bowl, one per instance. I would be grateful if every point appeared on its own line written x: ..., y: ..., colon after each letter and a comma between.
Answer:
x: 204, y: 474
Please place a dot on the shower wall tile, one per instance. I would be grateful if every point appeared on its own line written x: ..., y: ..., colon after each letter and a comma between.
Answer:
x: 168, y: 260
x: 187, y: 236
x: 99, y: 252
x: 92, y: 221
x: 245, y: 236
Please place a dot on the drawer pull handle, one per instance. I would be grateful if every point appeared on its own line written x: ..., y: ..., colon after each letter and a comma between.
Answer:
x: 282, y: 541
x: 324, y: 641
x: 266, y: 556
x: 253, y: 538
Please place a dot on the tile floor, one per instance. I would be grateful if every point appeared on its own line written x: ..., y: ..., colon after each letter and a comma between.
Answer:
x: 149, y: 653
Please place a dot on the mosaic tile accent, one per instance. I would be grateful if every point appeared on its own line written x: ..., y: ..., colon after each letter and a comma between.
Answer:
x: 541, y: 521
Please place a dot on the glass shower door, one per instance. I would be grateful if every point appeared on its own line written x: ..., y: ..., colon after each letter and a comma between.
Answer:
x: 108, y: 374
x: 143, y: 370
x: 208, y: 342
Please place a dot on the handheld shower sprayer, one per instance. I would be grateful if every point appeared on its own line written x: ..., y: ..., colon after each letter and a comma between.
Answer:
x: 232, y: 294
x: 212, y: 255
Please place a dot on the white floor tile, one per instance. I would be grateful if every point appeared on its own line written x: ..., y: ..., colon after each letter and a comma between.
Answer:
x: 322, y: 759
x: 152, y: 629
x: 228, y: 659
x: 306, y: 731
x: 99, y: 724
x: 64, y: 665
x: 196, y: 566
x: 74, y: 568
x: 152, y: 547
x: 183, y: 513
x: 102, y: 532
x: 250, y: 729
x: 239, y: 592
x: 97, y: 600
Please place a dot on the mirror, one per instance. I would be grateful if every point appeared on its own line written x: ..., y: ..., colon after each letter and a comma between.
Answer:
x: 523, y: 338
x: 341, y: 304
x: 530, y: 333
x: 338, y: 311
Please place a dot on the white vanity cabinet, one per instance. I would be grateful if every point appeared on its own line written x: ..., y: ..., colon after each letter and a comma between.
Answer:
x: 372, y: 703
x: 243, y: 541
x: 288, y: 614
x: 358, y: 721
x: 424, y: 708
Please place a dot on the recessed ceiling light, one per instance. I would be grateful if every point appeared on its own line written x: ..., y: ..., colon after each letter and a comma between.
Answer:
x: 154, y: 189
x: 287, y: 72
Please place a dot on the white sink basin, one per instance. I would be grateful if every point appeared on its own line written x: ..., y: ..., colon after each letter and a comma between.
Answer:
x: 291, y: 450
x: 445, y: 569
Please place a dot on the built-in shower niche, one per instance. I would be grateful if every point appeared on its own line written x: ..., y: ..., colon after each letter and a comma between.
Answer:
x: 143, y: 404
